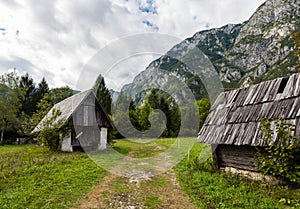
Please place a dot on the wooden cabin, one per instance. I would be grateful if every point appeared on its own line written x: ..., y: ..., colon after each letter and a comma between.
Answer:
x: 89, y: 122
x: 233, y: 121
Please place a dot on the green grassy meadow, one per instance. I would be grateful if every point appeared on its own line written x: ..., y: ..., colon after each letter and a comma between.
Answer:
x: 34, y: 177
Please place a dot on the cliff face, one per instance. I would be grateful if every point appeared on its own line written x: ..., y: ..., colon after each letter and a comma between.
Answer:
x: 259, y: 49
x: 264, y: 47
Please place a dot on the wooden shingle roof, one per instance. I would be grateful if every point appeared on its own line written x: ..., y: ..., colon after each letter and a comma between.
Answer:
x: 234, y: 117
x: 67, y: 107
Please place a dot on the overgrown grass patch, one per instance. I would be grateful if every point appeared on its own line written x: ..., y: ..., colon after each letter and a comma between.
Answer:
x: 208, y: 188
x: 167, y: 142
x: 139, y: 148
x: 34, y: 177
x: 13, y: 148
x: 153, y: 202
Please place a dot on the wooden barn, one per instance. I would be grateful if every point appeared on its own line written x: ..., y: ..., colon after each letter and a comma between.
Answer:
x: 89, y: 122
x: 233, y: 122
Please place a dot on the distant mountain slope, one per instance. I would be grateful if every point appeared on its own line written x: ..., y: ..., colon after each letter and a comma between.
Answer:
x: 264, y: 48
x: 259, y: 49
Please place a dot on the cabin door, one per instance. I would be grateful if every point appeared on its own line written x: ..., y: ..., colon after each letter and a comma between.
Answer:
x: 103, y: 139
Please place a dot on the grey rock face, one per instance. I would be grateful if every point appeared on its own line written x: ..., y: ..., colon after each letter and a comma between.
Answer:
x: 265, y: 40
x: 259, y: 49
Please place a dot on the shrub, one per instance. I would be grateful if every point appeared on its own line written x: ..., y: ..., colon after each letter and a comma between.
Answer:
x: 283, y: 158
x: 52, y: 131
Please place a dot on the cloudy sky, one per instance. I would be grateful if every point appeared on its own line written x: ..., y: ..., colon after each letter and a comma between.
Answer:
x: 56, y: 39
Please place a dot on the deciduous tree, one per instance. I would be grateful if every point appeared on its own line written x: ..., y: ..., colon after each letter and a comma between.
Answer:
x: 10, y: 104
x: 30, y: 122
x: 61, y: 93
x: 203, y: 107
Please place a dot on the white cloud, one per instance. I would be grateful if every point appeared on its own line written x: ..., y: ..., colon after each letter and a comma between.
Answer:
x: 55, y: 39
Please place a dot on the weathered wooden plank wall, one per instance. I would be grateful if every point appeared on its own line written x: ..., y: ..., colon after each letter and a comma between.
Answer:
x: 242, y: 157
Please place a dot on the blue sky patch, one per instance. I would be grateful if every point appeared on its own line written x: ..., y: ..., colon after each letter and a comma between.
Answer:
x: 148, y: 7
x: 151, y: 25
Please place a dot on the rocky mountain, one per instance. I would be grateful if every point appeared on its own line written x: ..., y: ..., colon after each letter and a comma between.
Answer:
x: 114, y: 95
x: 264, y: 47
x: 259, y: 49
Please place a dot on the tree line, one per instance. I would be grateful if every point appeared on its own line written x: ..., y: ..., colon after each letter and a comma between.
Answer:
x: 133, y: 120
x: 143, y: 116
x: 23, y: 103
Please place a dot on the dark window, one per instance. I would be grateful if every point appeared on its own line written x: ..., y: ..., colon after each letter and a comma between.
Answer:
x: 282, y: 85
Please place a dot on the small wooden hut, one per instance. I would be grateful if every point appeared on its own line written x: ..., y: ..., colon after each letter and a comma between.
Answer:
x: 233, y: 122
x: 88, y: 120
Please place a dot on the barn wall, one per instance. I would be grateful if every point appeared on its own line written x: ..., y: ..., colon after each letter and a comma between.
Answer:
x: 86, y: 136
x: 240, y: 157
x: 66, y: 144
x: 103, y: 139
x: 85, y: 115
x: 90, y: 138
x: 90, y: 113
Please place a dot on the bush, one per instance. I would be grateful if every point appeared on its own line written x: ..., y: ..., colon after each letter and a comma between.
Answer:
x: 283, y: 158
x: 52, y: 131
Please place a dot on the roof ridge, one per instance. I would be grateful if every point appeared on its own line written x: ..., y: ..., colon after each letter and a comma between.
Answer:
x: 74, y: 101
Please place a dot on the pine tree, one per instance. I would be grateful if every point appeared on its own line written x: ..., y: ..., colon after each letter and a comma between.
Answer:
x: 119, y: 115
x: 28, y: 101
x: 43, y: 89
x: 103, y: 94
x: 160, y: 100
x: 143, y: 112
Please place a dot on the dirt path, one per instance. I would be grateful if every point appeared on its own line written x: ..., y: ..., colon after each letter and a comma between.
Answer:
x: 96, y: 197
x: 139, y: 187
x: 162, y: 191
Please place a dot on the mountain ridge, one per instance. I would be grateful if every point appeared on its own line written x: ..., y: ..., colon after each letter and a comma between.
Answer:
x: 258, y: 49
